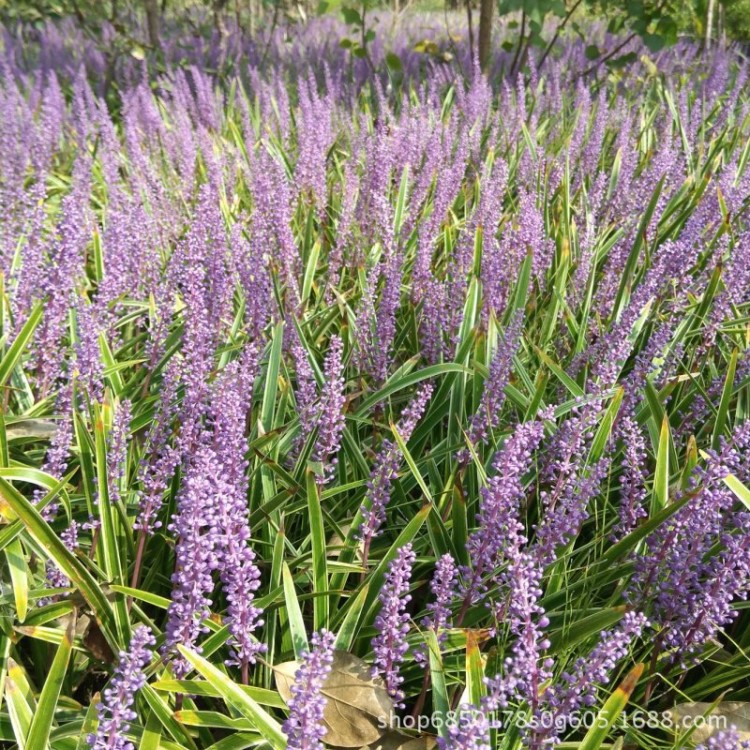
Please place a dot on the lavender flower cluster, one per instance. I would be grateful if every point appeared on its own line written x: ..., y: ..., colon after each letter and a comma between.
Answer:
x: 304, y: 727
x: 116, y: 708
x: 502, y: 320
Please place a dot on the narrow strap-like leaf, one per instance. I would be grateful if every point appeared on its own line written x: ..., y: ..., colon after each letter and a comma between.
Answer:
x: 44, y: 715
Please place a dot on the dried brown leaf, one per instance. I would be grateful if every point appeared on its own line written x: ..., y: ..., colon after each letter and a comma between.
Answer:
x: 733, y: 713
x: 359, y: 709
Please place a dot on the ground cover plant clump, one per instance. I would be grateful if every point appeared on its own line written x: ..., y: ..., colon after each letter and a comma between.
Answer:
x: 345, y: 409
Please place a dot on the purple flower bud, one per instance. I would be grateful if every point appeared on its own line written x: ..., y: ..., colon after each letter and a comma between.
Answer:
x: 56, y: 461
x: 240, y: 576
x: 728, y: 739
x: 162, y: 458
x: 697, y: 563
x: 573, y: 484
x: 470, y: 732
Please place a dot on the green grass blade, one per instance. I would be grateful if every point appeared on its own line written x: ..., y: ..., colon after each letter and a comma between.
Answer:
x: 17, y: 348
x: 405, y: 381
x: 20, y: 712
x: 601, y: 438
x: 19, y: 577
x: 205, y: 689
x: 347, y: 633
x: 722, y: 414
x: 59, y: 554
x: 151, y: 737
x: 163, y: 712
x: 108, y: 542
x: 475, y: 686
x: 296, y: 621
x: 412, y: 465
x: 611, y: 710
x: 45, y: 711
x: 310, y: 269
x: 739, y: 489
x: 89, y: 723
x: 660, y: 494
x: 272, y: 378
x: 268, y: 727
x: 440, y: 700
x: 319, y: 560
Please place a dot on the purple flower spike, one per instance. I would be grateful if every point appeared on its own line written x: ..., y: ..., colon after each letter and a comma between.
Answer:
x: 500, y: 533
x: 239, y: 573
x: 304, y: 727
x: 386, y: 469
x: 392, y: 623
x: 56, y: 462
x: 573, y: 485
x: 115, y: 710
x: 331, y: 418
x: 443, y: 590
x: 117, y: 453
x: 162, y: 458
x: 306, y: 394
x: 195, y: 526
x: 527, y: 669
x: 487, y: 417
x: 595, y: 668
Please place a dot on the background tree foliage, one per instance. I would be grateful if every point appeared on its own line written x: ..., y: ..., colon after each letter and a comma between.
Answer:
x: 537, y: 23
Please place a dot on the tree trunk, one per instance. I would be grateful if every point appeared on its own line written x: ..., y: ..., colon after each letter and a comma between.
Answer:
x: 152, y: 22
x: 709, y: 22
x: 486, y: 9
x: 470, y: 24
x: 219, y: 21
